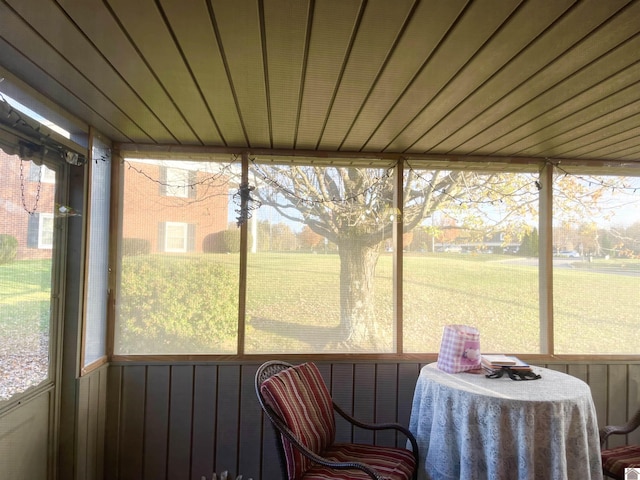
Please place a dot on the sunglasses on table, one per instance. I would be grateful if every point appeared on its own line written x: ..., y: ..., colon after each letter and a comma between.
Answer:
x: 515, y: 374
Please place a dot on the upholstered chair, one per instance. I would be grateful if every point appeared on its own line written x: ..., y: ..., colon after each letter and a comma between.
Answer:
x: 298, y: 403
x: 616, y: 459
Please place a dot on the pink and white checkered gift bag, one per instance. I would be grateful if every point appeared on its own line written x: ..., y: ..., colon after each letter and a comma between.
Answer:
x: 459, y: 349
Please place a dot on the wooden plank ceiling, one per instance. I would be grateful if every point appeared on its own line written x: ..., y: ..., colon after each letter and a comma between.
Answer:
x: 497, y: 78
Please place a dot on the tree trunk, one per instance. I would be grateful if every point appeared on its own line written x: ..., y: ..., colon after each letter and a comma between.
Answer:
x: 357, y: 308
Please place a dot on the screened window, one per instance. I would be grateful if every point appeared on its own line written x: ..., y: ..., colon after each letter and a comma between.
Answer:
x: 596, y: 260
x: 172, y: 303
x: 26, y: 260
x: 344, y: 257
x: 471, y: 258
x: 95, y: 332
x: 320, y: 276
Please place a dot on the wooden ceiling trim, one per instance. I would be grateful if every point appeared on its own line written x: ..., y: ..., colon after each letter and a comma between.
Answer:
x: 377, y: 159
x: 375, y: 39
x: 425, y: 30
x: 589, y: 84
x: 460, y: 123
x: 136, y: 150
x: 239, y: 27
x: 476, y: 25
x: 316, y: 161
x: 53, y: 68
x: 195, y: 35
x: 145, y: 25
x: 286, y: 35
x: 525, y: 25
x: 560, y: 127
x: 332, y: 27
x: 598, y: 168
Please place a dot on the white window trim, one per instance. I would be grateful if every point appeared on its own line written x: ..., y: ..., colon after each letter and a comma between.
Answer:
x: 177, y: 182
x: 185, y: 237
x: 41, y: 230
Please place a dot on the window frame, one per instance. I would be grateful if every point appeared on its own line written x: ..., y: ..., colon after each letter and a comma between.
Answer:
x: 42, y: 231
x: 95, y: 322
x: 544, y: 167
x: 185, y: 237
x: 57, y: 279
x: 177, y: 182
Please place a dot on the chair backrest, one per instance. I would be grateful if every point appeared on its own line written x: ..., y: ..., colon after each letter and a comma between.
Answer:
x: 299, y: 396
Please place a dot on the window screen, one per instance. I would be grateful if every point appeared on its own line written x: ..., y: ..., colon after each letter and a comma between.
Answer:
x: 26, y: 258
x: 319, y: 275
x: 178, y: 291
x: 596, y: 264
x: 472, y: 259
x: 98, y: 255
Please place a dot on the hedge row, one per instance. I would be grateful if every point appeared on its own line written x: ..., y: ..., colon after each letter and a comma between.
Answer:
x: 177, y: 305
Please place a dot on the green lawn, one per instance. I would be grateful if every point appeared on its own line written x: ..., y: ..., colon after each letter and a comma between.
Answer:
x: 293, y: 301
x: 25, y: 290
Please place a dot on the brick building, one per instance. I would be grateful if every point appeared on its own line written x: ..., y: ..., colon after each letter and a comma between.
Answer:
x: 27, y: 205
x: 173, y: 205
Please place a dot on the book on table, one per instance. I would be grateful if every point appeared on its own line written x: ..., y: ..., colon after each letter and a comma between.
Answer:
x: 496, y: 362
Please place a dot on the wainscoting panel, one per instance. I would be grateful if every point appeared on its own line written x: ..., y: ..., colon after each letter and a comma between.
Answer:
x: 205, y: 406
x: 91, y: 420
x: 186, y: 421
x: 24, y: 437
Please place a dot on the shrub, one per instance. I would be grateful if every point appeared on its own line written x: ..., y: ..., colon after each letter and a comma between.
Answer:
x: 225, y: 241
x: 135, y: 246
x: 177, y: 305
x: 8, y: 248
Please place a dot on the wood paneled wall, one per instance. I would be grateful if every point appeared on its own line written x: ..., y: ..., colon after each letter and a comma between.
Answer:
x: 25, y: 439
x: 90, y: 426
x: 185, y: 421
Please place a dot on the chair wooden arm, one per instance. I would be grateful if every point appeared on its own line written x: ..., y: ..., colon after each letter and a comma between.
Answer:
x: 284, y: 430
x: 631, y: 425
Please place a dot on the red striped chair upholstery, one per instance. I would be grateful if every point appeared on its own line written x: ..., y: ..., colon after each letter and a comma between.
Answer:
x: 616, y: 459
x: 296, y: 400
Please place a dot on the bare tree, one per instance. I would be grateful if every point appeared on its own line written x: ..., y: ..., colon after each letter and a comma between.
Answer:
x: 353, y: 208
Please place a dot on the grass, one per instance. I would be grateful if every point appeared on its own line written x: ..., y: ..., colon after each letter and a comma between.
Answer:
x: 293, y: 301
x: 24, y: 324
x: 25, y: 289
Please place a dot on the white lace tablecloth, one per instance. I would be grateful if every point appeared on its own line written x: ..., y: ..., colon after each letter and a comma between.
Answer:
x: 472, y: 427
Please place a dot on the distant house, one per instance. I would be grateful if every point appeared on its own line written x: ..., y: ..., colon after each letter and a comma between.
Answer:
x: 28, y: 206
x: 181, y: 205
x: 184, y: 206
x: 456, y: 239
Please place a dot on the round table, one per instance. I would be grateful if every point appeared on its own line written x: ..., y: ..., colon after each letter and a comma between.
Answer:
x: 472, y: 427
